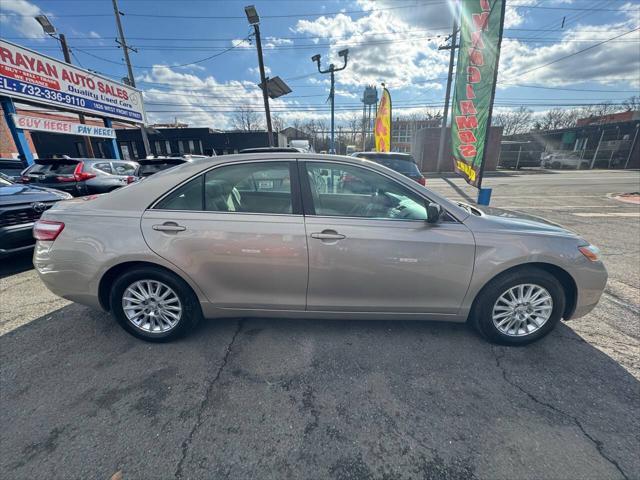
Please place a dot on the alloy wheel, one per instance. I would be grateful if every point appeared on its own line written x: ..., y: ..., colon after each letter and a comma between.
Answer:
x: 152, y: 306
x: 522, y: 310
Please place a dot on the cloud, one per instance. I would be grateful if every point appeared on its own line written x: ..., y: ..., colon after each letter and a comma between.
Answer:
x: 605, y: 64
x: 23, y: 20
x: 270, y: 42
x: 379, y: 48
x: 198, y: 101
x: 93, y: 34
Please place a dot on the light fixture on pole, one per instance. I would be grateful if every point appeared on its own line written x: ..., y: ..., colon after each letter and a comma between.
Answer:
x: 332, y: 69
x: 254, y: 21
x: 49, y: 29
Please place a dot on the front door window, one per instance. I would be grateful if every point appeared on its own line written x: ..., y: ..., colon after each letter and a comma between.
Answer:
x: 351, y: 191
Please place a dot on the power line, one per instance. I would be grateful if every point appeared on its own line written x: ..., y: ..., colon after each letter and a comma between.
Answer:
x: 308, y: 15
x: 576, y: 53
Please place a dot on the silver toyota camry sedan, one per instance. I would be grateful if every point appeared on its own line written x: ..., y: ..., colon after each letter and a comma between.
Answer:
x: 315, y: 236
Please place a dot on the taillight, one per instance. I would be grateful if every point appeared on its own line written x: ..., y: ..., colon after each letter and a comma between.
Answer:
x: 422, y: 181
x: 130, y: 179
x: 47, y: 230
x: 79, y: 175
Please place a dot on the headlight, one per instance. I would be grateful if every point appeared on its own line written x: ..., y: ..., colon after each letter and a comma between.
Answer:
x: 591, y: 252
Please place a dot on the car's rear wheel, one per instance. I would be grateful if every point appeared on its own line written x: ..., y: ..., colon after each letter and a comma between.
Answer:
x: 153, y: 304
x: 519, y: 307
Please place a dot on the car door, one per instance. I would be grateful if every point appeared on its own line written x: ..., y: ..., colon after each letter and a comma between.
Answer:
x: 238, y: 232
x: 371, y: 249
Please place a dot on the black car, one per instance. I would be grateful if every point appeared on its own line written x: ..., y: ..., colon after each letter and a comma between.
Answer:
x: 81, y: 176
x: 151, y: 165
x: 11, y: 167
x: 20, y: 206
x: 400, y: 162
x: 271, y: 150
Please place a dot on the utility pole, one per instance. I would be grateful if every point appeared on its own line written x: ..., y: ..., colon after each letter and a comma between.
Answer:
x: 132, y: 81
x: 50, y: 30
x: 332, y: 69
x: 445, y: 116
x: 254, y: 21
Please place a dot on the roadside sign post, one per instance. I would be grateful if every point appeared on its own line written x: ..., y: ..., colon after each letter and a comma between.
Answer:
x: 113, y: 144
x: 26, y: 75
x: 18, y: 135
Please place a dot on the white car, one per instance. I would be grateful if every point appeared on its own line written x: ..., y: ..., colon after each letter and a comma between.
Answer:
x: 560, y: 160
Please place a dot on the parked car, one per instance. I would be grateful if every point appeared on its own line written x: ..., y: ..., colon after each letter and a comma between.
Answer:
x: 559, y: 160
x: 11, y: 167
x: 209, y: 239
x: 403, y: 163
x: 152, y: 164
x: 271, y: 150
x: 80, y: 176
x: 20, y: 206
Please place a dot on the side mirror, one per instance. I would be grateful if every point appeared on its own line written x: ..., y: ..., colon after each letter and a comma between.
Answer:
x: 434, y: 212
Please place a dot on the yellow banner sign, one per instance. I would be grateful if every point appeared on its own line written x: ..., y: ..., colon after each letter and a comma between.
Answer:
x: 382, y: 127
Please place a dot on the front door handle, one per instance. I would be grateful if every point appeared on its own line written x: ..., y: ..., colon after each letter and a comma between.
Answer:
x: 328, y: 235
x: 169, y: 227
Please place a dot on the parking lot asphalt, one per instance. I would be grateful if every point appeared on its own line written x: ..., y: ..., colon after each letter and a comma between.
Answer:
x: 252, y: 398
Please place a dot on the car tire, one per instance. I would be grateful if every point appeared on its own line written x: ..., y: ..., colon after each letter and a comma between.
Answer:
x: 490, y: 308
x: 156, y: 316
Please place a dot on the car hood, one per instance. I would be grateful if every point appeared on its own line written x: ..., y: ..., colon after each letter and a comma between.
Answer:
x: 17, y: 193
x: 515, y: 222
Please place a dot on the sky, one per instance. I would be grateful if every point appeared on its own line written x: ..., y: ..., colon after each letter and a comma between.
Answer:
x: 196, y: 59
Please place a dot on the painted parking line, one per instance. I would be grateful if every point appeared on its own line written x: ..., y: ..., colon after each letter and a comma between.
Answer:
x: 610, y: 214
x: 554, y: 207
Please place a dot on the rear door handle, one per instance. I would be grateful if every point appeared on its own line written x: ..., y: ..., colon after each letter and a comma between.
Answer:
x: 328, y: 235
x: 169, y: 227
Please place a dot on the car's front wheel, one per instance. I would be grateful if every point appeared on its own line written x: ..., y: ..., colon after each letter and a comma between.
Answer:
x: 153, y: 304
x: 519, y: 307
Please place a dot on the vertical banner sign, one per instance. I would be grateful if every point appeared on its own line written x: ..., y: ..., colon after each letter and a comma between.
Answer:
x: 481, y: 23
x: 382, y: 126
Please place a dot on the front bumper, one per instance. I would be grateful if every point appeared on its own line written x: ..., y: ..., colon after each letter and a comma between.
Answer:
x: 16, y: 238
x: 591, y: 279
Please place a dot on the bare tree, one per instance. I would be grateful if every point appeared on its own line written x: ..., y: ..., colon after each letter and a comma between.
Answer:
x: 514, y: 121
x: 557, y: 118
x: 277, y: 122
x: 246, y: 119
x: 632, y: 103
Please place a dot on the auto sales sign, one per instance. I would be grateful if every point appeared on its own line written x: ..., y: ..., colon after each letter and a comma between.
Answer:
x: 27, y: 75
x: 480, y: 35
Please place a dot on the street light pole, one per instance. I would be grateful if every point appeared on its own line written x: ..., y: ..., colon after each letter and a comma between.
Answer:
x: 50, y: 30
x: 332, y: 93
x: 254, y: 20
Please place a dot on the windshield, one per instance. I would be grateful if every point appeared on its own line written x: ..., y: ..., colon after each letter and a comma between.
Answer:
x: 59, y: 168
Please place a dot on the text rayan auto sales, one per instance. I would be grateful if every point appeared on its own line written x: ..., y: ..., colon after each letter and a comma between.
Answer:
x: 47, y: 75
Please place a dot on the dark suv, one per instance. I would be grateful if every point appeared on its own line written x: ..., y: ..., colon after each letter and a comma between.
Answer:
x: 400, y: 162
x: 80, y: 176
x: 20, y: 206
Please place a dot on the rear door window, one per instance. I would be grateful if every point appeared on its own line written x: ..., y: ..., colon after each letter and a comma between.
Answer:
x: 103, y: 167
x: 123, y: 168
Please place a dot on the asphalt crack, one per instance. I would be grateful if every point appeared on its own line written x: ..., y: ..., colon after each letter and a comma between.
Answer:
x: 205, y: 401
x: 597, y: 443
